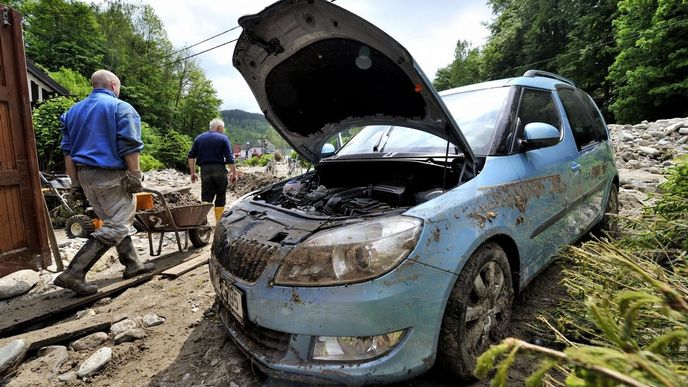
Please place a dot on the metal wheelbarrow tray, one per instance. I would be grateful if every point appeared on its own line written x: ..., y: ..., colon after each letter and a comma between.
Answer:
x: 192, y: 219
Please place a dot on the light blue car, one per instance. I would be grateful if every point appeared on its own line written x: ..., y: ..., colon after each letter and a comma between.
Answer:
x: 406, y: 245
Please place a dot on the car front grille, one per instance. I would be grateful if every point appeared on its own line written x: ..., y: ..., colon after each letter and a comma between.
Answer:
x: 256, y: 339
x: 245, y: 259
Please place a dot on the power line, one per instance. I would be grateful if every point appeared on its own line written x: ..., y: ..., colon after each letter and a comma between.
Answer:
x: 199, y: 53
x: 202, y: 41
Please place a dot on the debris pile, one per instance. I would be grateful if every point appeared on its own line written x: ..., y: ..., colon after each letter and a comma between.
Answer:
x: 174, y: 199
x: 252, y: 181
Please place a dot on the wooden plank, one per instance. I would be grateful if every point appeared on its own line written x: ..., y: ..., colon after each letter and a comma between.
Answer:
x: 185, y: 267
x: 63, y: 333
x: 21, y: 314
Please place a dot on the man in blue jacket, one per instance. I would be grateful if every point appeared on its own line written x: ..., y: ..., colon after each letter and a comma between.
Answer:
x: 101, y: 141
x: 212, y: 151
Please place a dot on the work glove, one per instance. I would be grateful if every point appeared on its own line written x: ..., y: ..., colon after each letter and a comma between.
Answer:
x: 133, y: 181
x: 76, y: 193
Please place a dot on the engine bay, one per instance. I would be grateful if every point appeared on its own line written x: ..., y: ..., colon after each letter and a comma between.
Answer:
x: 349, y: 188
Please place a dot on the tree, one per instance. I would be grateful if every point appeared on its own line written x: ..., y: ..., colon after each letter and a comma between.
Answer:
x: 63, y: 33
x: 76, y: 83
x: 199, y: 103
x: 46, y: 126
x: 650, y: 74
x: 464, y: 70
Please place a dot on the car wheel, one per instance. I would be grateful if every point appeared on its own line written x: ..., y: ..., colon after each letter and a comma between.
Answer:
x: 478, y: 310
x: 609, y: 225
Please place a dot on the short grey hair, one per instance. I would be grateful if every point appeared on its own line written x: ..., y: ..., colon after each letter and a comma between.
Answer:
x: 215, y: 123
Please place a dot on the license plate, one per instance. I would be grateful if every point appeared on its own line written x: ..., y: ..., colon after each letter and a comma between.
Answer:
x: 232, y: 298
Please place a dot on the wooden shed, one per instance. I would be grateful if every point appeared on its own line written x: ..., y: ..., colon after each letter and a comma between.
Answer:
x: 23, y: 224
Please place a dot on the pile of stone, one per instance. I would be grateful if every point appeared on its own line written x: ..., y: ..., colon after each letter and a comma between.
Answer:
x: 650, y: 146
x: 82, y: 358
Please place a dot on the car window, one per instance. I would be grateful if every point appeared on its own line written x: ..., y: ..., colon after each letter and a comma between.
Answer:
x: 536, y: 106
x: 579, y: 117
x: 597, y: 119
x: 395, y: 139
x: 477, y: 113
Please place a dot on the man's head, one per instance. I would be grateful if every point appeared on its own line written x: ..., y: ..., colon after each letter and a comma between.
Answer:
x: 103, y: 79
x: 217, y: 125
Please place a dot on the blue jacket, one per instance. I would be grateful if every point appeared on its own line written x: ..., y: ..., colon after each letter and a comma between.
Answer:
x: 100, y: 130
x: 212, y: 148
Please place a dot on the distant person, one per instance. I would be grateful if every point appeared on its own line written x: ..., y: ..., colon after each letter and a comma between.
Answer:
x: 212, y: 151
x: 101, y: 141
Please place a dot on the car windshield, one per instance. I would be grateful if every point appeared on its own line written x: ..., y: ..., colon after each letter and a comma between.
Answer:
x: 476, y: 112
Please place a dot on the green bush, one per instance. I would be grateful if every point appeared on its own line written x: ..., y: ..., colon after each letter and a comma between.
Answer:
x: 174, y: 149
x: 264, y: 159
x: 252, y: 161
x: 149, y: 162
x: 46, y: 126
x: 151, y: 139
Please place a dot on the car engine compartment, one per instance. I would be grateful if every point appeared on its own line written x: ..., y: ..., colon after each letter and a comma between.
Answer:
x: 346, y: 188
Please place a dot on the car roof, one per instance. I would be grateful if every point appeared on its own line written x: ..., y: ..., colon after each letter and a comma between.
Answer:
x: 540, y: 82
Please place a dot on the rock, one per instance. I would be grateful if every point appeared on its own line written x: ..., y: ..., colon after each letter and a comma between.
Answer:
x: 67, y: 376
x: 17, y: 283
x: 95, y: 363
x: 683, y: 131
x: 232, y: 384
x: 658, y: 134
x: 129, y: 336
x: 122, y: 326
x: 12, y: 354
x: 645, y: 142
x: 151, y: 320
x: 672, y: 128
x: 45, y: 351
x: 649, y: 151
x: 642, y: 125
x: 89, y: 342
x: 85, y: 313
x: 682, y: 140
x: 627, y: 137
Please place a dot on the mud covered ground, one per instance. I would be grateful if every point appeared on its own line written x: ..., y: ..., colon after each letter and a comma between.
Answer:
x: 191, y: 348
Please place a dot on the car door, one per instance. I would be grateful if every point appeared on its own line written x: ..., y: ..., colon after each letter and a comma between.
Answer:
x: 590, y: 134
x: 549, y: 173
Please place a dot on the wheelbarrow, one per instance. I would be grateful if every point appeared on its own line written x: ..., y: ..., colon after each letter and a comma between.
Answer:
x: 192, y: 220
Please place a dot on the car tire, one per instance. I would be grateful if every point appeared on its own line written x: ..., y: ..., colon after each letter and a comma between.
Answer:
x: 475, y: 316
x: 609, y: 225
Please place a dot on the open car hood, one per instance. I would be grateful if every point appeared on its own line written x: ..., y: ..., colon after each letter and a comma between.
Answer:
x: 316, y: 69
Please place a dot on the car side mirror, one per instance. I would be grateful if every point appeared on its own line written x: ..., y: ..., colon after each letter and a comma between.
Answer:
x: 539, y: 135
x: 327, y: 150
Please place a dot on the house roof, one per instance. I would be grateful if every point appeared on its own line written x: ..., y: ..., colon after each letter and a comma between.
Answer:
x: 45, y: 78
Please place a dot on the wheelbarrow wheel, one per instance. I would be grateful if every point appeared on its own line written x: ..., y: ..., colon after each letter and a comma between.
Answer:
x: 200, y: 237
x: 79, y: 226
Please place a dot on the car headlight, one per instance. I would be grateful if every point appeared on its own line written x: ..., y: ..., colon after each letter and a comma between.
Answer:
x: 351, y: 253
x: 354, y: 348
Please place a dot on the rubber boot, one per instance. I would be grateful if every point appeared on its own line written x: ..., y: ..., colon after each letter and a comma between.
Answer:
x: 126, y: 252
x: 218, y: 213
x: 74, y: 278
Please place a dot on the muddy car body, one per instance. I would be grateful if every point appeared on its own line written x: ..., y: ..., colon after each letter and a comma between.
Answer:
x: 408, y: 243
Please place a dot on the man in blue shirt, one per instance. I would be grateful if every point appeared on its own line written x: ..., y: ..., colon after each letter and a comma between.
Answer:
x: 101, y: 141
x: 212, y: 151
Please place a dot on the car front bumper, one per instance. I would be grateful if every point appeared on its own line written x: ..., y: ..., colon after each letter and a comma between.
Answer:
x: 281, y: 323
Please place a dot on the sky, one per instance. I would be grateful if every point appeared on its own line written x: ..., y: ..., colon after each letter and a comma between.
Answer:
x: 428, y: 29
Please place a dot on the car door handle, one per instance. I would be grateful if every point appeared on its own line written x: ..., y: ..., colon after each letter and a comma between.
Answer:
x: 575, y: 167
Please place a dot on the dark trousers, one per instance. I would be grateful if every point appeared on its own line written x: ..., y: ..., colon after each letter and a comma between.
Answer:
x: 214, y: 184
